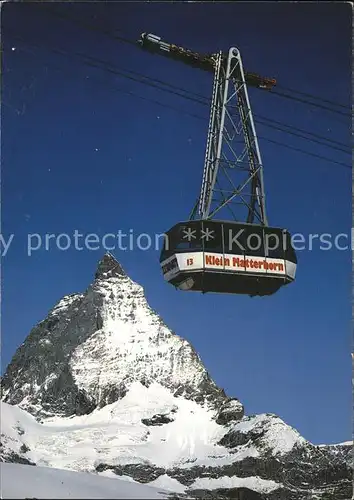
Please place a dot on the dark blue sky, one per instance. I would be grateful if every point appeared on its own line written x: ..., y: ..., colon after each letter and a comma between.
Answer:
x: 79, y: 154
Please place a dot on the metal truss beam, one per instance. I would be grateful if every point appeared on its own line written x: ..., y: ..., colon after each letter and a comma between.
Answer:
x: 233, y: 170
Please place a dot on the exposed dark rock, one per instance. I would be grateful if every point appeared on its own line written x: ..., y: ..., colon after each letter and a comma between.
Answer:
x: 229, y: 412
x: 112, y: 393
x: 235, y: 438
x: 227, y: 493
x: 143, y: 473
x: 24, y: 448
x: 63, y: 396
x: 109, y: 267
x: 15, y: 458
x: 295, y: 478
x: 343, y: 451
x: 157, y: 420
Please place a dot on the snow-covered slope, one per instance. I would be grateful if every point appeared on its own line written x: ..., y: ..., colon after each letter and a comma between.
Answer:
x: 120, y: 438
x: 22, y: 481
x: 103, y: 386
x: 181, y: 450
x: 148, y: 426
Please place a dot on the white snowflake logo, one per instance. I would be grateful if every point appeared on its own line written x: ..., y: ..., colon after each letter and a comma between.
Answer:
x: 189, y: 234
x: 208, y: 234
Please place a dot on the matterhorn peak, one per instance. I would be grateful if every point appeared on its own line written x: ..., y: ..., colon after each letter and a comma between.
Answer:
x: 109, y: 267
x: 93, y: 346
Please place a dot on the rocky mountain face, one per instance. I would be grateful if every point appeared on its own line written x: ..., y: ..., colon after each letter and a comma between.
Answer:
x: 103, y: 385
x: 92, y: 346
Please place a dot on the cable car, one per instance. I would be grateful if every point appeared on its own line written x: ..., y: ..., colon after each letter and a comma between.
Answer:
x: 244, y: 255
x: 228, y: 257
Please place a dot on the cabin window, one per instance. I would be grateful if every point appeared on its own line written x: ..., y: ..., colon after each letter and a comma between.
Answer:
x: 189, y: 237
x: 274, y: 242
x: 254, y: 240
x: 169, y: 244
x: 170, y: 266
x: 289, y: 251
x: 234, y: 238
x: 212, y: 237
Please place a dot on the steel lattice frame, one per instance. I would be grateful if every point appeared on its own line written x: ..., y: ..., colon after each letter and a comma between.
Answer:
x: 233, y: 171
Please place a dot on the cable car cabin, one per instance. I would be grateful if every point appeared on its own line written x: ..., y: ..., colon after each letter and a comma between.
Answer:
x: 228, y: 257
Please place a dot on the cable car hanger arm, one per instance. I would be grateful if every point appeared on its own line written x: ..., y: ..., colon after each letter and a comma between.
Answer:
x: 206, y: 62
